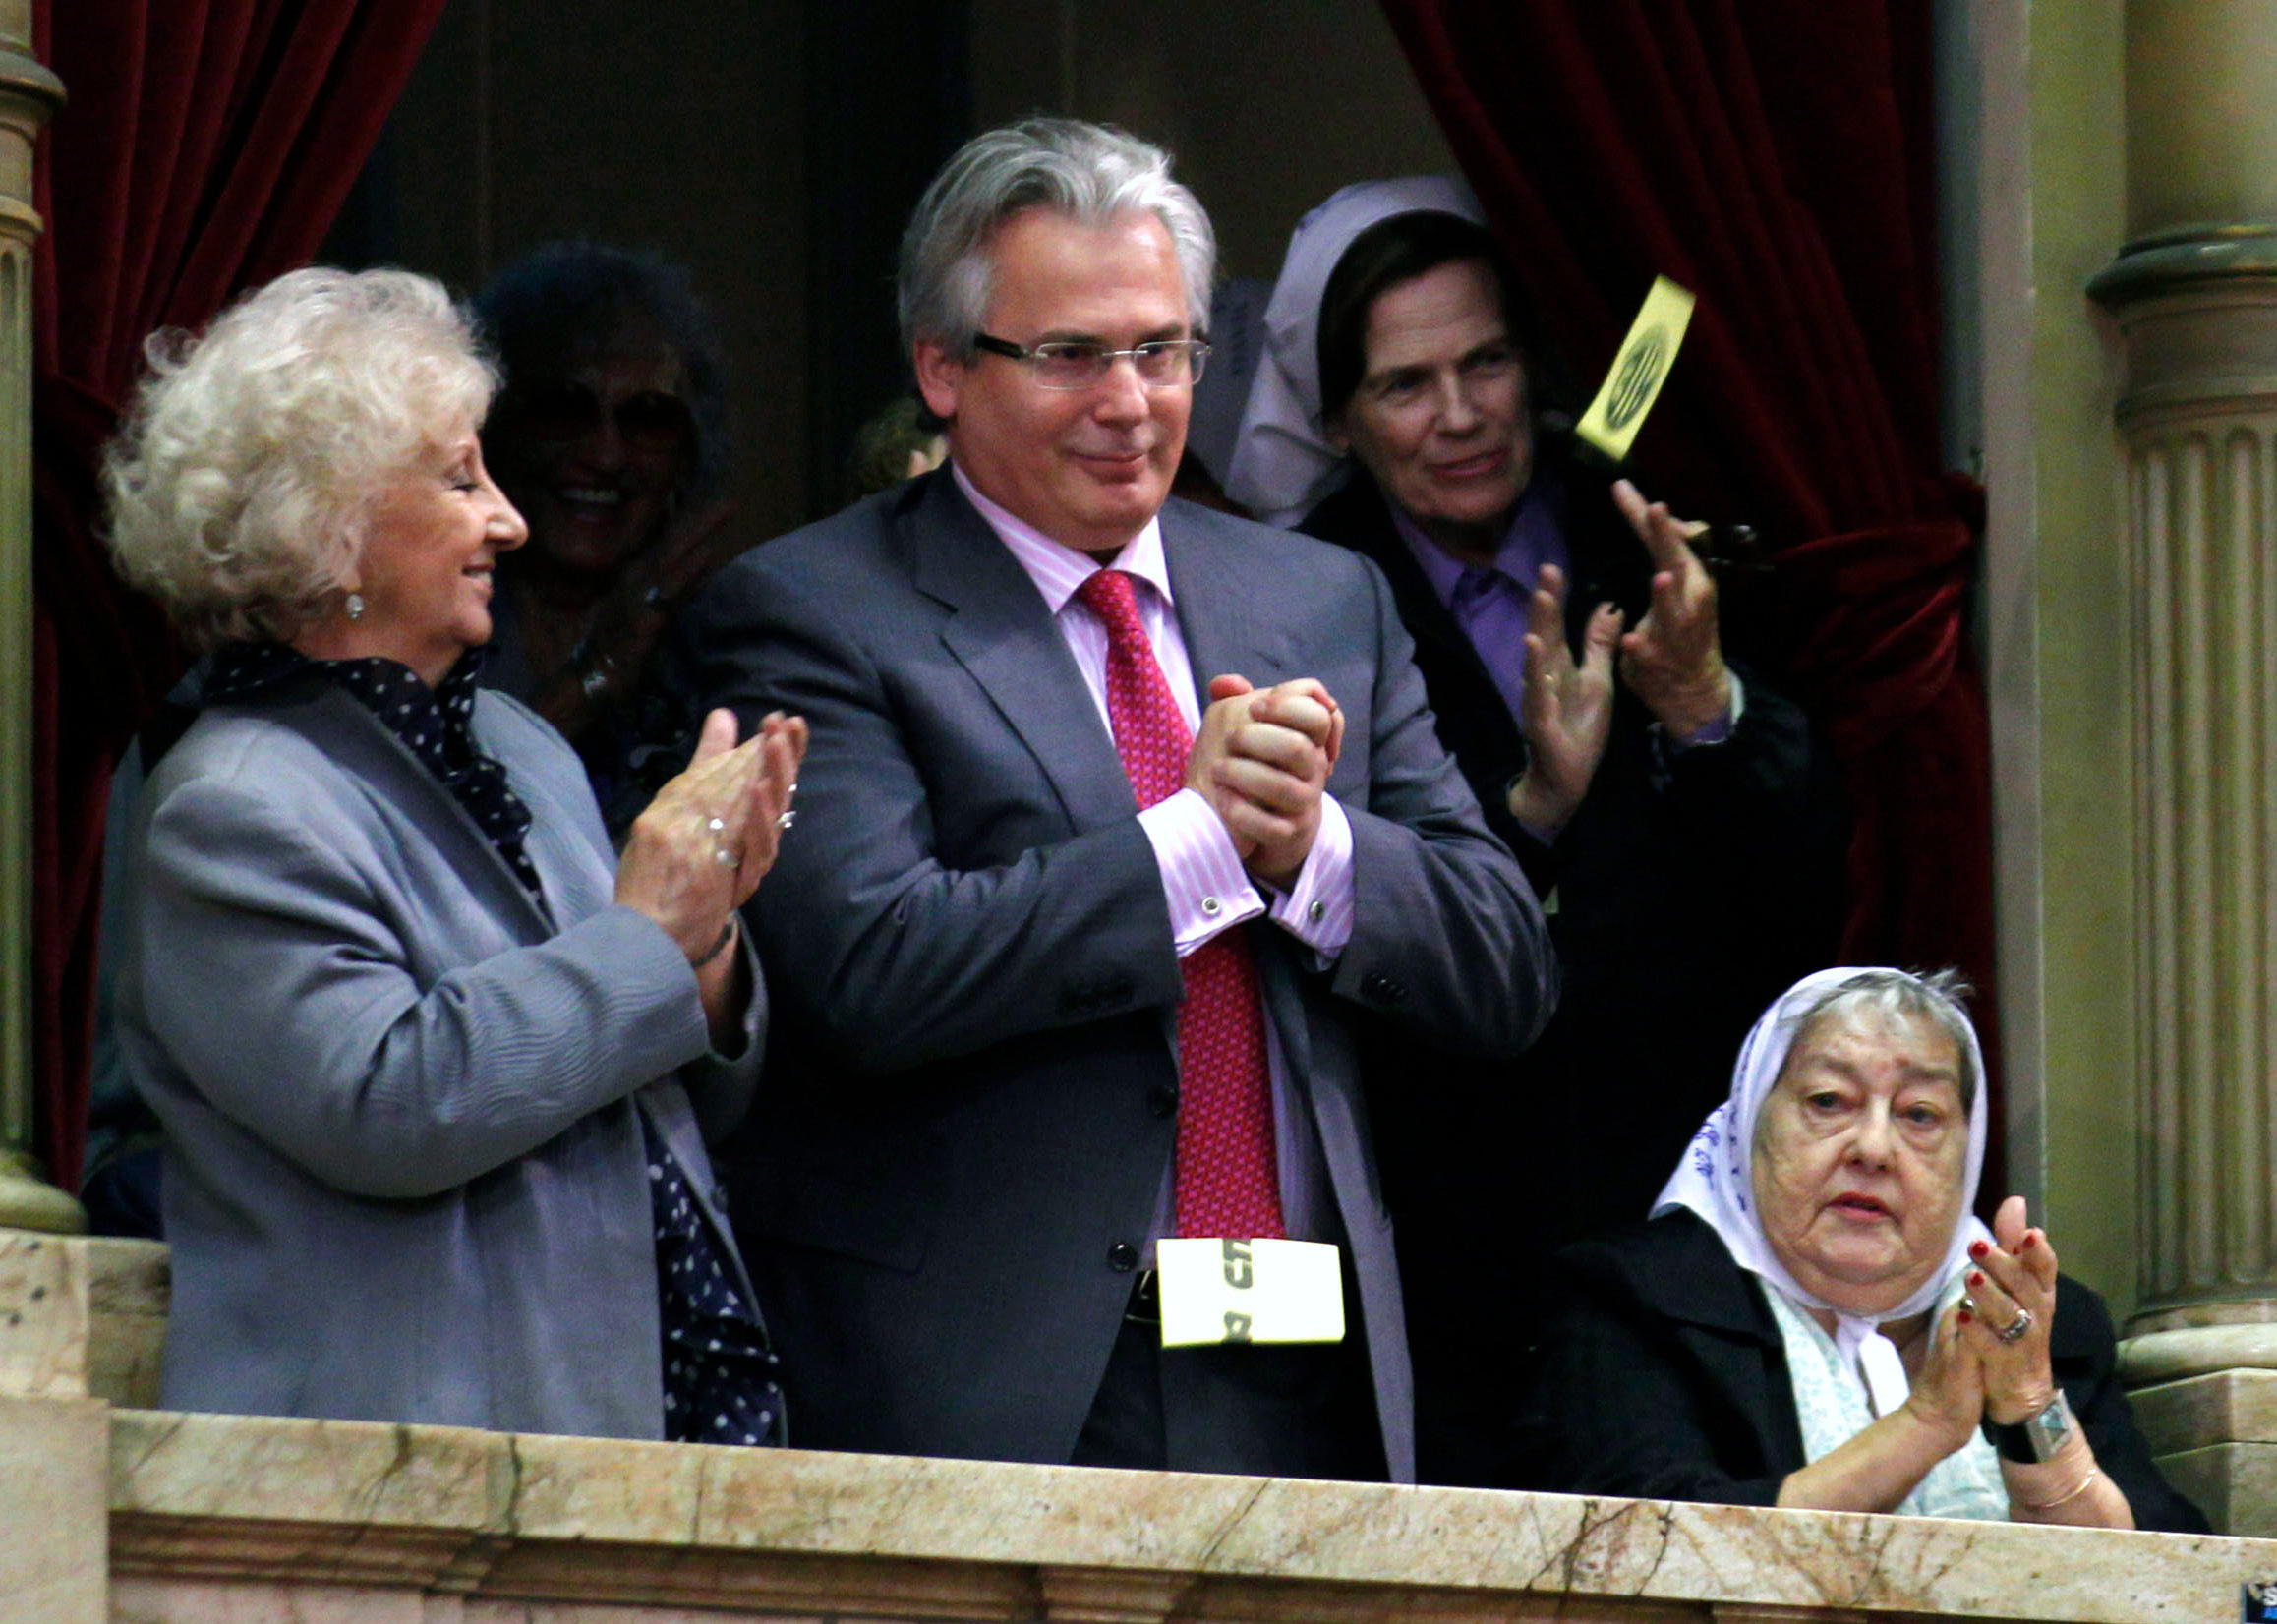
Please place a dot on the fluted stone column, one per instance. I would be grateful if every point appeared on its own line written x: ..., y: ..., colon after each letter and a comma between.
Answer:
x: 29, y: 92
x: 52, y: 1436
x: 2193, y: 294
x: 2197, y: 312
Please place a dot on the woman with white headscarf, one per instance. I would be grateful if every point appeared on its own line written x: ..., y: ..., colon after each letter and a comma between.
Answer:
x: 1283, y: 462
x: 1813, y: 1319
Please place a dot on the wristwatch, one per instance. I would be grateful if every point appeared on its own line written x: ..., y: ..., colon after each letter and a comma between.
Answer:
x: 2035, y: 1438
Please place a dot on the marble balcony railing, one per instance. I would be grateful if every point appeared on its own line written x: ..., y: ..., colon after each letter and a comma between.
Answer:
x: 114, y: 1513
x: 259, y: 1521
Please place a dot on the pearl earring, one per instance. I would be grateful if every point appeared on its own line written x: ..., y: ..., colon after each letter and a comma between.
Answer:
x: 354, y: 606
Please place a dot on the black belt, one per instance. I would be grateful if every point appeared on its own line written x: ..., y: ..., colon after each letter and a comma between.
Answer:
x: 1145, y: 1305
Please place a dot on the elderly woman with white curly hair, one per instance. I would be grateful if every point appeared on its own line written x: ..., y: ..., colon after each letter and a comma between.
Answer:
x: 436, y: 1067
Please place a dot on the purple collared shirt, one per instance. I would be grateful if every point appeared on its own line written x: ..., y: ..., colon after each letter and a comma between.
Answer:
x: 1490, y: 602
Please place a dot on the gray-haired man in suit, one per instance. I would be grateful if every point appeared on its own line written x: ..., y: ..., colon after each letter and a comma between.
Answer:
x: 1092, y: 878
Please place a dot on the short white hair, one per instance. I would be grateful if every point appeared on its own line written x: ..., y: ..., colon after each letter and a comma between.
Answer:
x: 240, y: 486
x: 1090, y: 173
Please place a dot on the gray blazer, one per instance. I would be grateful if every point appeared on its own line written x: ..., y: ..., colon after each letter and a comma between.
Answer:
x: 404, y: 1179
x: 973, y: 958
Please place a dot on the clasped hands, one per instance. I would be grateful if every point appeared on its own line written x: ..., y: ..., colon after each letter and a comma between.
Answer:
x: 1983, y: 1360
x: 1261, y: 759
x: 1672, y: 661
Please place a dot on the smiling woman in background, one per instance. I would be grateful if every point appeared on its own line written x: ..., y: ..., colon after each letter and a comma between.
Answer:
x: 436, y: 1069
x: 1813, y: 1319
x: 610, y: 435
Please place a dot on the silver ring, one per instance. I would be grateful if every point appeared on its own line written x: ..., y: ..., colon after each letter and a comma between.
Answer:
x: 2015, y: 1328
x: 787, y: 818
x: 1967, y: 1303
x: 717, y: 825
x: 725, y: 858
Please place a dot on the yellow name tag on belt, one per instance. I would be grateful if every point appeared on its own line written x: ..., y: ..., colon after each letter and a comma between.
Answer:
x: 1248, y: 1291
x: 1616, y: 414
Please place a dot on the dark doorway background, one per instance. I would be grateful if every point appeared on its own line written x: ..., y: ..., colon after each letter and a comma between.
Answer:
x: 889, y: 96
x: 775, y: 148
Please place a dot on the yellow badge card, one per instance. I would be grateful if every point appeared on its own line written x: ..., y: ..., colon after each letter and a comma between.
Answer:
x: 1616, y: 414
x: 1250, y: 1291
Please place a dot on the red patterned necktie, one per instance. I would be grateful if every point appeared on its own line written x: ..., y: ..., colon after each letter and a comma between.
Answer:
x: 1228, y: 1174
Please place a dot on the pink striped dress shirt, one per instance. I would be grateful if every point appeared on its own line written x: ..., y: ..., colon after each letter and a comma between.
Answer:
x: 1202, y: 879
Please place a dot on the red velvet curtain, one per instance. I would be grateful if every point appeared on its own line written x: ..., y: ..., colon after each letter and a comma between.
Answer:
x: 1774, y: 156
x: 207, y: 147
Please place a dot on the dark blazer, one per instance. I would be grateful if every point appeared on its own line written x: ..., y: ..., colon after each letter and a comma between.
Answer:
x: 405, y: 1178
x: 974, y: 973
x: 1690, y: 889
x: 1661, y: 1375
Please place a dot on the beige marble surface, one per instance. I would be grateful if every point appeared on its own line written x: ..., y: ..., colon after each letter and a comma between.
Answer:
x: 2228, y: 1405
x: 52, y: 1528
x: 82, y: 1316
x: 2233, y: 1484
x: 280, y: 1506
x: 2215, y: 1437
x: 2194, y: 1350
x: 43, y: 1316
x: 129, y: 1288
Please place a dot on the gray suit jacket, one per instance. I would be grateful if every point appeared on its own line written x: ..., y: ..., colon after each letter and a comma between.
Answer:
x: 404, y: 1177
x: 969, y: 943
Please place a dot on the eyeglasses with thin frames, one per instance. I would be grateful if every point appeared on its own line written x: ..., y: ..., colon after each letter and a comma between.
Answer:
x: 1079, y: 363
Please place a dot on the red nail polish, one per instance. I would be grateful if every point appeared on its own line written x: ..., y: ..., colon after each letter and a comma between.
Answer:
x: 2025, y: 1244
x: 1977, y: 1249
x: 1963, y: 1317
x: 1975, y: 1280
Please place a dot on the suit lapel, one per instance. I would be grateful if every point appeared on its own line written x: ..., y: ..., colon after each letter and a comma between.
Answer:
x: 578, y: 876
x: 353, y: 737
x: 1224, y: 607
x: 1000, y: 631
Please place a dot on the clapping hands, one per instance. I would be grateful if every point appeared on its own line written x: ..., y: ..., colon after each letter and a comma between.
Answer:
x: 1988, y: 1354
x: 1567, y: 712
x: 1672, y: 659
x: 702, y: 846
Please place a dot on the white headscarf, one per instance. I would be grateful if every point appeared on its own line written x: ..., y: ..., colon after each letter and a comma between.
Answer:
x: 1282, y: 463
x: 1713, y: 1180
